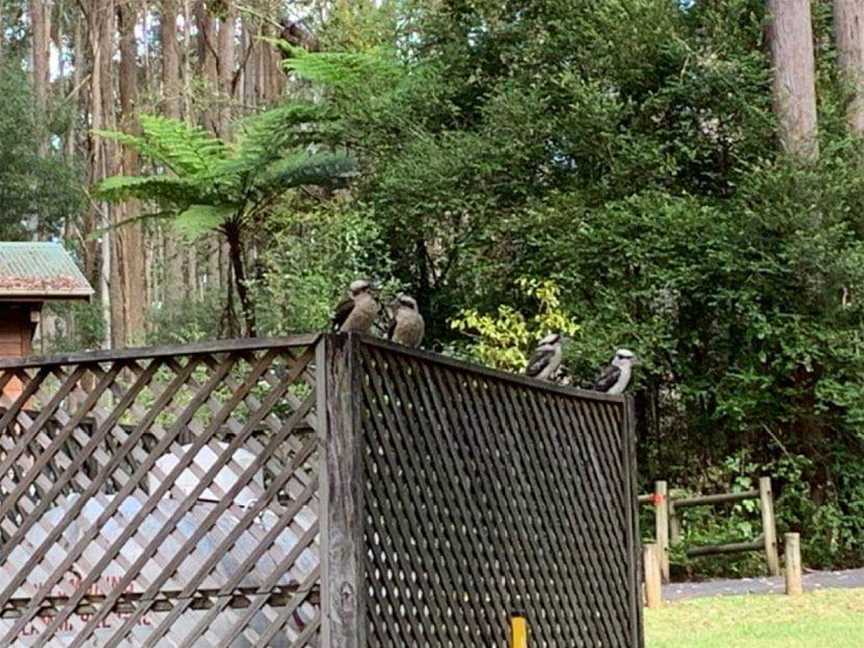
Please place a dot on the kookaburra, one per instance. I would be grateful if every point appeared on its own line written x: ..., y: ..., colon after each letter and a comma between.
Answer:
x: 615, y: 378
x: 407, y: 326
x: 358, y: 312
x: 546, y: 358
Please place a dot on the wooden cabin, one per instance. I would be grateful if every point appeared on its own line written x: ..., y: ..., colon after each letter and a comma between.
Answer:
x: 30, y: 275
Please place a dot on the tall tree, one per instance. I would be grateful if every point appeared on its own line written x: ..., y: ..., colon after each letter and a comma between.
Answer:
x: 127, y: 285
x: 791, y: 40
x: 849, y: 35
x: 172, y: 101
x: 102, y: 152
x: 40, y: 12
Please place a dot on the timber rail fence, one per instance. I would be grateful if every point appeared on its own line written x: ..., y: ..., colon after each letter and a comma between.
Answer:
x: 667, y: 526
x: 328, y: 491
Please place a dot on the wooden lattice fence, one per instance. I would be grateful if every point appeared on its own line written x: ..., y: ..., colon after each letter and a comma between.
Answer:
x: 458, y: 495
x: 309, y: 491
x: 161, y: 497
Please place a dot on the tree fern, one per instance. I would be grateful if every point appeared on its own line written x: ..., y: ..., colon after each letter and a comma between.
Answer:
x: 186, y: 150
x: 340, y: 68
x: 210, y: 186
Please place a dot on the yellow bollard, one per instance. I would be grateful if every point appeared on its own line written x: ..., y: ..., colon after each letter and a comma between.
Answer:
x: 518, y: 630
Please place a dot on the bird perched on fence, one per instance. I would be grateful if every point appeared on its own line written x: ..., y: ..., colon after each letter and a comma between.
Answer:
x: 358, y: 312
x: 546, y: 358
x: 407, y: 326
x: 615, y: 377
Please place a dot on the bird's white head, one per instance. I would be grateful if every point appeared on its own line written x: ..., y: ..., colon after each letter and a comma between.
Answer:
x: 625, y: 357
x: 551, y: 339
x: 359, y: 286
x: 406, y: 301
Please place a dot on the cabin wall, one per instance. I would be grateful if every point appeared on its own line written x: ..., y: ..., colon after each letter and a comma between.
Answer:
x: 17, y: 327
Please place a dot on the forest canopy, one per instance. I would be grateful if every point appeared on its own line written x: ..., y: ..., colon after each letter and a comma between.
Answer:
x: 628, y: 152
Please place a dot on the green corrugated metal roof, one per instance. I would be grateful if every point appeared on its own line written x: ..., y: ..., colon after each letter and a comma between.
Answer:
x: 40, y: 270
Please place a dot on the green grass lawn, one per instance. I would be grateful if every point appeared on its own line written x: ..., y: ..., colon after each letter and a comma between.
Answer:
x: 829, y: 619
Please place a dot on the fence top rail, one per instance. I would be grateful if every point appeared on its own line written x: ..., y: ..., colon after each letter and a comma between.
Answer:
x: 480, y: 370
x: 146, y: 353
x: 719, y: 498
x: 294, y: 341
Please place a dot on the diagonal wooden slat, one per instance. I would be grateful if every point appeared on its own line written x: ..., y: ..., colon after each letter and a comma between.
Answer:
x: 265, y: 640
x: 45, y: 414
x: 157, y: 495
x: 284, y: 565
x: 91, y: 533
x: 123, y: 404
x: 244, y: 569
x: 216, y: 513
x: 60, y: 438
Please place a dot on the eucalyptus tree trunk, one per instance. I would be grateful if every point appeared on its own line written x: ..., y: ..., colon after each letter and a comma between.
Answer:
x: 39, y: 17
x: 849, y: 36
x: 207, y: 63
x: 39, y: 22
x: 791, y: 40
x: 172, y: 101
x: 127, y: 282
x: 101, y: 32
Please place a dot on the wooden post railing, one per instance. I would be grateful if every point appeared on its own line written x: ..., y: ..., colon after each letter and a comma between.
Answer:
x: 794, y: 585
x: 653, y: 586
x: 667, y: 523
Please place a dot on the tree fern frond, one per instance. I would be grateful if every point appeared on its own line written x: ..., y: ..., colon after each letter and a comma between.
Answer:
x: 323, y: 169
x: 187, y: 150
x: 132, y: 141
x: 268, y: 134
x: 199, y: 220
x: 342, y: 68
x: 161, y: 188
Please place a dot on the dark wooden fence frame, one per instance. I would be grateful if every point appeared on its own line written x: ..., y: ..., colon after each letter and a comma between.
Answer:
x: 341, y: 495
x: 343, y: 589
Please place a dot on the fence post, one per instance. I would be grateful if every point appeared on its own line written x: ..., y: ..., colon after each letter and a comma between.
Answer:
x: 343, y: 591
x: 661, y: 521
x: 769, y: 529
x: 653, y: 585
x: 794, y: 586
x: 674, y: 523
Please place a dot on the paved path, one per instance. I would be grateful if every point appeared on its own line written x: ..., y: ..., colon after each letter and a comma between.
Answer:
x: 814, y: 580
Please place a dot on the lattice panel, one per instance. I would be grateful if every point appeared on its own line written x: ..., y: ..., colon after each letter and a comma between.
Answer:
x: 486, y: 495
x: 168, y: 499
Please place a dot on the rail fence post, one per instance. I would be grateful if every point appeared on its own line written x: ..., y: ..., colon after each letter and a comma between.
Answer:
x: 653, y: 581
x: 769, y: 528
x: 674, y: 523
x: 661, y: 521
x: 794, y: 585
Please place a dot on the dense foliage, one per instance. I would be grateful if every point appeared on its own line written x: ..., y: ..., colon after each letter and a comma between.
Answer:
x: 626, y: 149
x: 606, y: 166
x: 38, y: 192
